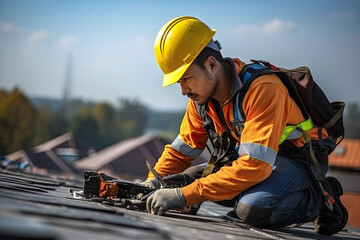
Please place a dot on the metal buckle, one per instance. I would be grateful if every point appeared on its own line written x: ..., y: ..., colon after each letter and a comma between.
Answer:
x: 237, y: 127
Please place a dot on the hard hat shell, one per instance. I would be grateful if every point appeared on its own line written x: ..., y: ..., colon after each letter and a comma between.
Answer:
x: 177, y: 45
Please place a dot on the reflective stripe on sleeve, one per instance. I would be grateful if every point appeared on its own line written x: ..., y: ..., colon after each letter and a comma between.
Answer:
x: 185, y: 149
x: 259, y: 152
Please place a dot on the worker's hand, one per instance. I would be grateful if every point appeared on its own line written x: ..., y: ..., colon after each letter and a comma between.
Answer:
x: 165, y: 199
x: 151, y: 183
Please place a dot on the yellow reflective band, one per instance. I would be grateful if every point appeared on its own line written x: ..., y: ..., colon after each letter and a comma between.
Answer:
x: 286, y: 133
x: 303, y: 126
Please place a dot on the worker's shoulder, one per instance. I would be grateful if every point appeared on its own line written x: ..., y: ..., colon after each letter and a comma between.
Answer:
x: 268, y: 79
x: 266, y: 83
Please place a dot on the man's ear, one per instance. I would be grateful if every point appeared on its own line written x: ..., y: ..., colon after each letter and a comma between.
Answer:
x: 211, y: 64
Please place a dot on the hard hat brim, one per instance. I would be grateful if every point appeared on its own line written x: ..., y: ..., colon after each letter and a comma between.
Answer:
x: 173, y: 77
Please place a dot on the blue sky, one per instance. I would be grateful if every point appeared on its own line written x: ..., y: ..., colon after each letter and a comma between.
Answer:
x: 111, y: 44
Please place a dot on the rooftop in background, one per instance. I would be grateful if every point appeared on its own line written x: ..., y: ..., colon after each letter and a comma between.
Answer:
x: 56, y: 155
x: 346, y: 155
x: 41, y: 207
x: 128, y: 157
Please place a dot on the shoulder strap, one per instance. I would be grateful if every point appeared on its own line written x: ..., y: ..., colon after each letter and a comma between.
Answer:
x: 252, y: 71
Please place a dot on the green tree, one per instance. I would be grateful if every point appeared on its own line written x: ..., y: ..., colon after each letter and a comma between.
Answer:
x: 84, y: 126
x: 104, y: 114
x: 48, y: 124
x: 165, y: 123
x: 131, y: 118
x: 17, y: 117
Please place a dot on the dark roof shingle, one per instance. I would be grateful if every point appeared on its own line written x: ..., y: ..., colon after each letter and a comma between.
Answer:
x: 41, y: 207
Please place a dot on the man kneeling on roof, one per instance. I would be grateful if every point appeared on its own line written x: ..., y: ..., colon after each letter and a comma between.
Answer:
x: 267, y: 184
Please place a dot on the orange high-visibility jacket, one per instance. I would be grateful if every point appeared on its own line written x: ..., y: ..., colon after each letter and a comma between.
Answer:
x: 267, y: 107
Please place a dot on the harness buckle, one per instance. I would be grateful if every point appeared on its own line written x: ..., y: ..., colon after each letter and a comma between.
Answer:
x: 237, y: 127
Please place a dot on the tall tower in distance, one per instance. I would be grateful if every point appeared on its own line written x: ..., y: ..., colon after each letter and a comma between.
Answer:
x: 67, y: 90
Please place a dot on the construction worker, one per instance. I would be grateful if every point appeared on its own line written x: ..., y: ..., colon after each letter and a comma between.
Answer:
x: 267, y: 185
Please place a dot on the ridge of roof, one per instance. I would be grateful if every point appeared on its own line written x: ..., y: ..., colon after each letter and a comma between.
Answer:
x: 106, y: 155
x: 51, y: 144
x: 16, y: 155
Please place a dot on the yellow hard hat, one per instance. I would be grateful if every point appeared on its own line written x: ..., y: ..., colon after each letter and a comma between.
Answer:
x: 177, y: 45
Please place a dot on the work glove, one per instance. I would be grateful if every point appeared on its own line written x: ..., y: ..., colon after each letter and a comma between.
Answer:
x: 165, y: 199
x: 151, y: 183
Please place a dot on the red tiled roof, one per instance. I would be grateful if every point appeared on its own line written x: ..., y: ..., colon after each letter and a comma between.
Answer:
x: 346, y: 155
x: 350, y: 201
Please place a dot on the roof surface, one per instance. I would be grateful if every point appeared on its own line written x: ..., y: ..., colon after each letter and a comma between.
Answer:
x: 42, y: 207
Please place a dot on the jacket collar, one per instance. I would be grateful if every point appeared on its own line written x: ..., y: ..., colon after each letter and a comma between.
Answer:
x: 235, y: 79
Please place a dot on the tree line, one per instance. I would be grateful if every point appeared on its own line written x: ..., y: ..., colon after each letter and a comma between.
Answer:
x: 24, y: 125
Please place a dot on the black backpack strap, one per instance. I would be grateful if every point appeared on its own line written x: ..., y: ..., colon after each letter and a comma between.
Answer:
x: 339, y: 107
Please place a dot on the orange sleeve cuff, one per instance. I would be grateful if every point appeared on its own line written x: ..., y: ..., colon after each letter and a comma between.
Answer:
x: 228, y: 182
x: 191, y: 193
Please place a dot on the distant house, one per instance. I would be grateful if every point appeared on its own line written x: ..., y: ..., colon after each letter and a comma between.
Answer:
x: 344, y: 164
x: 56, y: 155
x: 126, y: 159
x: 68, y: 156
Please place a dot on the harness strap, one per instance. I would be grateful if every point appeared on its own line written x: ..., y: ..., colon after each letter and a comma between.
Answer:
x: 291, y: 131
x: 213, y: 136
x: 222, y: 145
x: 209, y: 126
x: 340, y: 110
x: 336, y: 116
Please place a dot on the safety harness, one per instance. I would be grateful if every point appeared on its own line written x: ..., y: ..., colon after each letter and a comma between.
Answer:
x: 223, y: 146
